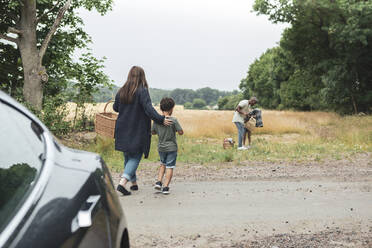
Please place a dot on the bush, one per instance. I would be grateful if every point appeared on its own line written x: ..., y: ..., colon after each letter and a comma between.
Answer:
x: 198, y: 103
x: 188, y: 105
x: 53, y: 114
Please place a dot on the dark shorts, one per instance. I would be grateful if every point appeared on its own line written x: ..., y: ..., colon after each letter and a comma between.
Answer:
x: 168, y: 159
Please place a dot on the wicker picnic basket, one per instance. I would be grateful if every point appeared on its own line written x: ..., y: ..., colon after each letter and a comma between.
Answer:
x: 228, y: 143
x: 105, y: 122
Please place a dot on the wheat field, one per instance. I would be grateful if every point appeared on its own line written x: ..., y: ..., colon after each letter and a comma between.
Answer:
x: 352, y: 130
x: 286, y: 135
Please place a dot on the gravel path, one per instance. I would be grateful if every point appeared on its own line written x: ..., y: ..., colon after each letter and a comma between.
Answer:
x: 255, y: 205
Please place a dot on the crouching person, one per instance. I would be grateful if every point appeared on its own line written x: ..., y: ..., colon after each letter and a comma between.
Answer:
x: 241, y: 113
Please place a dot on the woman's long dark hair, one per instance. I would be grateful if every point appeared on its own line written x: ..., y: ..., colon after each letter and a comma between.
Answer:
x: 136, y: 79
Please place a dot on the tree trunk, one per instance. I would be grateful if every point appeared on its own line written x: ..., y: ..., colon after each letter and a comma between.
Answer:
x: 33, y: 71
x: 32, y: 88
x: 354, y: 104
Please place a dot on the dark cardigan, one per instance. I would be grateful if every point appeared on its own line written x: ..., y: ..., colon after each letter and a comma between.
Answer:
x: 133, y: 126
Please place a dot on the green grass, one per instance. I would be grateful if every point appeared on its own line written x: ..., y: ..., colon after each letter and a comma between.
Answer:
x: 287, y: 136
x: 206, y: 151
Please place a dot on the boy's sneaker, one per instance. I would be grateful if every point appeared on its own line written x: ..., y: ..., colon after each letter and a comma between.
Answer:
x: 158, y: 185
x: 134, y: 187
x: 242, y: 148
x: 165, y: 190
x: 122, y: 190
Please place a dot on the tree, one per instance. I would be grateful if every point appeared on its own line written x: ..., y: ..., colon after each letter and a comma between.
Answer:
x: 263, y: 79
x: 158, y: 94
x: 181, y: 96
x: 330, y: 41
x: 10, y: 70
x: 266, y: 77
x: 198, y: 103
x: 209, y: 95
x: 188, y: 105
x: 229, y: 102
x: 30, y: 26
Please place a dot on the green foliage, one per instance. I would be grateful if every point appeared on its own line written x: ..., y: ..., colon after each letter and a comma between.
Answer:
x: 181, y: 96
x: 265, y: 76
x: 187, y: 105
x: 210, y: 96
x: 89, y: 78
x: 301, y: 92
x: 104, y: 94
x: 11, y: 72
x: 328, y: 49
x: 158, y: 94
x: 54, y: 115
x: 86, y: 73
x: 58, y: 59
x: 199, y: 103
x: 229, y: 102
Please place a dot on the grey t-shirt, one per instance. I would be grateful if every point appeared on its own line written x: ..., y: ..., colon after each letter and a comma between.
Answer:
x: 167, y: 135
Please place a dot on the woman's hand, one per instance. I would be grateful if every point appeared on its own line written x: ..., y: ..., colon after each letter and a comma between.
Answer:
x: 167, y: 122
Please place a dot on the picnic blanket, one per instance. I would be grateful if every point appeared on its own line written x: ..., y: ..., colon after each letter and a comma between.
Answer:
x: 257, y: 115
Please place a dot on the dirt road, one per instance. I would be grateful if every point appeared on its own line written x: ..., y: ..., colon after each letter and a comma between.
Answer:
x: 256, y: 205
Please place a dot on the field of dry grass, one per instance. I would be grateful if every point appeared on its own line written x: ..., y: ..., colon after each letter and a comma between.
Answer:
x: 286, y: 135
x: 353, y: 130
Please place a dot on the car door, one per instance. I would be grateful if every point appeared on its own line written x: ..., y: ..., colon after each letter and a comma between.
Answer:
x: 69, y: 212
x: 22, y: 151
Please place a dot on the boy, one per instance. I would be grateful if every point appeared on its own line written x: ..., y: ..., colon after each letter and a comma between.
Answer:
x: 167, y: 146
x: 248, y: 127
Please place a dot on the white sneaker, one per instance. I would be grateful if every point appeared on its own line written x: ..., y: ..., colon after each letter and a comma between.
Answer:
x: 242, y: 148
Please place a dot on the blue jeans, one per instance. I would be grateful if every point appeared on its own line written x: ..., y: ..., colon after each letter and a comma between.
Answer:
x: 168, y: 159
x: 131, y: 162
x: 241, y: 132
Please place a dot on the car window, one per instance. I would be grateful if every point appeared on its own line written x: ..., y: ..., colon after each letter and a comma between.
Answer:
x: 21, y: 159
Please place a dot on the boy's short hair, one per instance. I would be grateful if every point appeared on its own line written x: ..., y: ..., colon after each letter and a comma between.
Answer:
x: 167, y: 104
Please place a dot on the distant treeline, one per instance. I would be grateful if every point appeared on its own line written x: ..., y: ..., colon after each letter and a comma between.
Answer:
x: 200, y: 97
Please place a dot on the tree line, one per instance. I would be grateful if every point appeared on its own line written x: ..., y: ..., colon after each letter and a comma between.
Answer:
x: 323, y: 61
x: 198, y: 99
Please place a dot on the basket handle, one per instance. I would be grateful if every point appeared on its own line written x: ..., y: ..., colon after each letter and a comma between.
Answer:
x: 104, y: 110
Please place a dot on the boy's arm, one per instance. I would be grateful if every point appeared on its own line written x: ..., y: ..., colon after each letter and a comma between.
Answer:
x: 178, y: 127
x: 153, y: 131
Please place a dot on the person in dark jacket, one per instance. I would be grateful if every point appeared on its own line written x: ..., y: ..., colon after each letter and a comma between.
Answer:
x: 133, y: 125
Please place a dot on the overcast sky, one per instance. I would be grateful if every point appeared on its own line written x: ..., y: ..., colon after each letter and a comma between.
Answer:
x: 181, y: 43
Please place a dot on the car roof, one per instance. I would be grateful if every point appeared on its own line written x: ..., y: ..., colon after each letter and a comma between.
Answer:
x: 11, y: 101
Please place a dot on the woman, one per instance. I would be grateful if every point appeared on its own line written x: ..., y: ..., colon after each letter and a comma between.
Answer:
x: 133, y: 126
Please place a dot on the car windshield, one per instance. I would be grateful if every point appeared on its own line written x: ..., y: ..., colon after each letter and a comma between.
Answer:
x: 22, y: 153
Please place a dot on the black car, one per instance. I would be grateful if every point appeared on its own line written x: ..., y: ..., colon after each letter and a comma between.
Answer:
x: 50, y: 195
